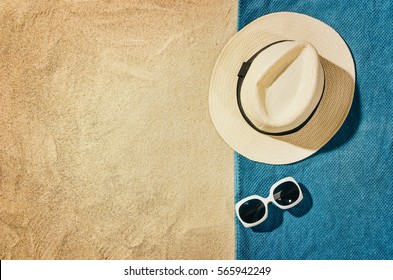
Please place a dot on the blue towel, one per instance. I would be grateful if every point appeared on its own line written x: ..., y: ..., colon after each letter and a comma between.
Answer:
x: 347, y: 211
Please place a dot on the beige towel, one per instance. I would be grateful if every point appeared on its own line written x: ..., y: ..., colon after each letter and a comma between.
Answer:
x: 107, y: 150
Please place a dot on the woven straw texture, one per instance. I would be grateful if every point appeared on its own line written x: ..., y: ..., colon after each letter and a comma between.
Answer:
x: 338, y: 94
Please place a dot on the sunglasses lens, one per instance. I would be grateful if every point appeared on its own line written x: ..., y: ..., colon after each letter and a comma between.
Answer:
x: 286, y: 193
x: 252, y: 211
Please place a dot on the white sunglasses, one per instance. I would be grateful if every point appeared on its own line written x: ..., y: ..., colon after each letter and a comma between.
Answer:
x: 253, y: 209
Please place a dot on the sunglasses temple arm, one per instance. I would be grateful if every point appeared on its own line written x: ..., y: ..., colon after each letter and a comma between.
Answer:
x: 277, y: 195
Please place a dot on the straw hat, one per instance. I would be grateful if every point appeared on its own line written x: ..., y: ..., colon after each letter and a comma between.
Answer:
x: 281, y: 88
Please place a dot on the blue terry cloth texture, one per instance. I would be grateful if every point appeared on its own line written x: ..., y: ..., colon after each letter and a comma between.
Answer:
x: 347, y: 212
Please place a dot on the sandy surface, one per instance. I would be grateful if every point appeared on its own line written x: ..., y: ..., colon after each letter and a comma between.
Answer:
x: 107, y: 150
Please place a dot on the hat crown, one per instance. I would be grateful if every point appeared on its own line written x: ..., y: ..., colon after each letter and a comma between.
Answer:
x: 283, y: 86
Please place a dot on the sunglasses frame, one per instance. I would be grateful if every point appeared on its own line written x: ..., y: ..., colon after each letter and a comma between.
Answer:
x: 268, y: 200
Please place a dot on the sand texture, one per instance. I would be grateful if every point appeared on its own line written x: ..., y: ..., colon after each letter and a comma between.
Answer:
x: 107, y: 149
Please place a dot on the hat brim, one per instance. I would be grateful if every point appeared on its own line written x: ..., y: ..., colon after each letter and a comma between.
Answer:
x: 337, y: 98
